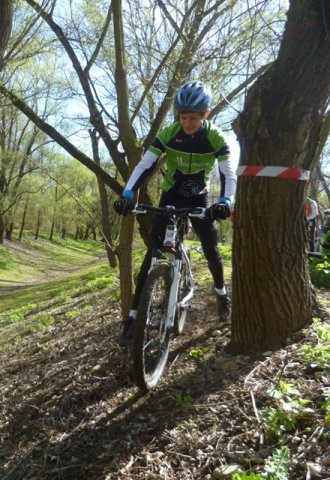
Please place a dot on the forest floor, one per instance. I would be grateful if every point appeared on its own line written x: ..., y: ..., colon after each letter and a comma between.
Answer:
x: 70, y: 409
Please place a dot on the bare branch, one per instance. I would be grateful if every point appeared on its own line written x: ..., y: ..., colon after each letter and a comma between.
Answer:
x: 100, y: 41
x: 95, y: 116
x: 61, y: 140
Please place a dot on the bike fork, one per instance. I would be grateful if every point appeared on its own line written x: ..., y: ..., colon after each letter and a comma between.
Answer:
x: 172, y: 303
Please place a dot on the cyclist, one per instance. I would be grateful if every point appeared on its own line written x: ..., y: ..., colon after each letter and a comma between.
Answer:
x: 191, y: 146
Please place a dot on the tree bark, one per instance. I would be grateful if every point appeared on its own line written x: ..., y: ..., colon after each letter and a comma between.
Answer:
x: 280, y: 126
x: 6, y: 18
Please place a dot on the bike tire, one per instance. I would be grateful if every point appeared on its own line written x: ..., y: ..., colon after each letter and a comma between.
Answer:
x: 181, y: 315
x: 151, y: 342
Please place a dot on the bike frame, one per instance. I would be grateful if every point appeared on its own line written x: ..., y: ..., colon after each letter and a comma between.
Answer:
x: 173, y: 256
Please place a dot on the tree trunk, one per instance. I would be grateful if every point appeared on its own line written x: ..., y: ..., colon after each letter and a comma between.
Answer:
x: 9, y: 231
x: 124, y: 251
x: 86, y: 233
x: 279, y: 126
x: 105, y: 213
x: 52, y: 231
x: 36, y: 236
x: 6, y: 17
x: 23, y: 221
x: 2, y: 229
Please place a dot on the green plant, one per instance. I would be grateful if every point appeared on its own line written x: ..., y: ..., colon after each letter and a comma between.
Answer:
x: 100, y: 283
x: 4, y: 264
x: 44, y: 320
x: 198, y: 353
x: 277, y: 422
x: 18, y: 313
x: 246, y: 476
x: 319, y: 272
x: 183, y: 400
x: 226, y: 251
x: 63, y: 298
x: 89, y: 276
x: 318, y: 356
x: 275, y: 468
x: 290, y: 408
x: 72, y: 314
x: 326, y: 405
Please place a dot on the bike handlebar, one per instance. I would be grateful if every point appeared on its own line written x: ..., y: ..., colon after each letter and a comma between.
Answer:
x: 170, y: 210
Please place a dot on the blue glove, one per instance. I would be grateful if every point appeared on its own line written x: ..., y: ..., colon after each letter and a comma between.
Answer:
x: 220, y: 210
x: 124, y: 204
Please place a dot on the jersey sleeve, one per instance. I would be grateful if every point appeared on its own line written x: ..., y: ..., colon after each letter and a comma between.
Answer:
x: 142, y: 170
x: 228, y: 179
x: 227, y: 174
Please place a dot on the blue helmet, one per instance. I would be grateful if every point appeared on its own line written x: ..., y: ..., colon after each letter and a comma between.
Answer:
x: 193, y: 97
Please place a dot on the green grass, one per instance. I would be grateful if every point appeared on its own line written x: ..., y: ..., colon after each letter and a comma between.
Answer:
x: 30, y: 259
x: 46, y: 275
x: 62, y: 271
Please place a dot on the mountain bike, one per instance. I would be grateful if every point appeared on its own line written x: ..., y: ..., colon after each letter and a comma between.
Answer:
x: 164, y: 302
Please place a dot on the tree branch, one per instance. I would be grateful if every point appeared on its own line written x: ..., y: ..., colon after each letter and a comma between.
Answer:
x: 221, y: 105
x: 95, y: 115
x: 100, y: 41
x: 61, y: 140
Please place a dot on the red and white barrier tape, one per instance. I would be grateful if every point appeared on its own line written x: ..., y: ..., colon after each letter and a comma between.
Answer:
x: 278, y: 172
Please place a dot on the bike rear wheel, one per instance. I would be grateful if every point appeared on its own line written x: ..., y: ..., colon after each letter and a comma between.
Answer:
x: 184, y: 287
x: 151, y: 337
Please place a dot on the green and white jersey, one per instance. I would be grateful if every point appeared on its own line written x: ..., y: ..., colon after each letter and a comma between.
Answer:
x: 189, y: 161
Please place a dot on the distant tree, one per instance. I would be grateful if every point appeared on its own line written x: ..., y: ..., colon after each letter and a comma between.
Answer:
x: 280, y: 125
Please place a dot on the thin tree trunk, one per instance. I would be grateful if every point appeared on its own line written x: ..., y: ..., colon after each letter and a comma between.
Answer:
x: 105, y: 212
x: 23, y: 221
x: 52, y: 231
x: 9, y: 231
x: 2, y: 229
x: 86, y: 234
x: 38, y: 226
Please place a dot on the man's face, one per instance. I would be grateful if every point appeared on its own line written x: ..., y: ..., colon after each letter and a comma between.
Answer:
x: 191, y: 121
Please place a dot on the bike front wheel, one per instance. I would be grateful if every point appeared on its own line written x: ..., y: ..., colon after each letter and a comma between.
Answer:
x: 151, y: 336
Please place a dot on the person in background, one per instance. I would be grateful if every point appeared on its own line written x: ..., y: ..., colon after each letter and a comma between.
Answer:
x: 312, y: 213
x: 326, y: 238
x: 191, y: 145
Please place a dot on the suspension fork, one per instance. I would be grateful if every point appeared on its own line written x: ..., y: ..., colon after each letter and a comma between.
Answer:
x: 173, y: 297
x: 190, y: 293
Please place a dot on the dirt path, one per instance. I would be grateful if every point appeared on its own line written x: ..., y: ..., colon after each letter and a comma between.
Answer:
x: 31, y: 256
x: 51, y: 275
x: 70, y: 409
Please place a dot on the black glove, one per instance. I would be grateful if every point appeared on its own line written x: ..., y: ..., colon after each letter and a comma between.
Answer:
x: 217, y: 210
x: 123, y: 205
